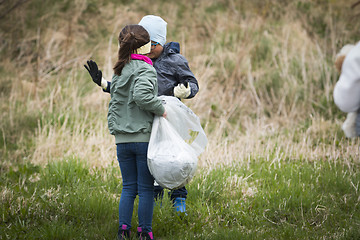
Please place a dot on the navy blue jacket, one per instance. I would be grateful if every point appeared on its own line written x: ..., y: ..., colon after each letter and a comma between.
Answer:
x: 172, y: 68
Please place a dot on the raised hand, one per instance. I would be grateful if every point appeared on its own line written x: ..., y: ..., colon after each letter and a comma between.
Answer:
x: 94, y: 71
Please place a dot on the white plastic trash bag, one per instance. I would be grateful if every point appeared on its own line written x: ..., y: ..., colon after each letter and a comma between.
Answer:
x: 171, y: 161
x: 175, y: 144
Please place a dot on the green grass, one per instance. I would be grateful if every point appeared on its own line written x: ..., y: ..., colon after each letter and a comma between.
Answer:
x: 259, y: 199
x: 64, y: 200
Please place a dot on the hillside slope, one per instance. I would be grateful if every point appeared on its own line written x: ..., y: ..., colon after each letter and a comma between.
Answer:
x: 265, y: 70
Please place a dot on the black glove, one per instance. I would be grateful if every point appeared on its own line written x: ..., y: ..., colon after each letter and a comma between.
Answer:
x: 94, y: 72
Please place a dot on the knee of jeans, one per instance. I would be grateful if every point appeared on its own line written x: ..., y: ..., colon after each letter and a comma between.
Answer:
x: 129, y: 193
x: 130, y: 189
x: 146, y: 188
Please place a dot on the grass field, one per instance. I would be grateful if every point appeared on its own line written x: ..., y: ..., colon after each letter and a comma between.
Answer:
x: 277, y: 164
x: 257, y: 199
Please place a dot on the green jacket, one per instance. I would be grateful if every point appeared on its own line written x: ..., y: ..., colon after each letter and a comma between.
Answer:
x: 134, y: 102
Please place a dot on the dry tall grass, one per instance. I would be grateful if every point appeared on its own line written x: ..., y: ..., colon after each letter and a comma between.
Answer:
x: 265, y: 76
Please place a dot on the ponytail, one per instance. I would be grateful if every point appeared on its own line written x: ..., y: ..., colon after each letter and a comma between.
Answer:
x: 130, y: 38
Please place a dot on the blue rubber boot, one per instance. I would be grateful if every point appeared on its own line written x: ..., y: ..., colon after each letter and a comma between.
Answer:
x: 180, y: 205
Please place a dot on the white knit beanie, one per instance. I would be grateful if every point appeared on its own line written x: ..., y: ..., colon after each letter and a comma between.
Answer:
x: 156, y: 27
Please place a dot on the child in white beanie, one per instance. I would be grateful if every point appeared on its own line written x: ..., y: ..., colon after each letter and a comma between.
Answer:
x: 156, y: 27
x: 347, y: 89
x: 174, y: 79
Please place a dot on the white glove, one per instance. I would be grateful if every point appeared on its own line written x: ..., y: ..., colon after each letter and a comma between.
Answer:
x: 180, y: 91
x: 349, y: 126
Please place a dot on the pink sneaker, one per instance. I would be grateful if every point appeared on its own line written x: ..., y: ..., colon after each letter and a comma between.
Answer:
x: 123, y: 233
x: 144, y: 235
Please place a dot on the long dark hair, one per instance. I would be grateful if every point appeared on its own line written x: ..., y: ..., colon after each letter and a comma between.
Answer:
x: 130, y: 38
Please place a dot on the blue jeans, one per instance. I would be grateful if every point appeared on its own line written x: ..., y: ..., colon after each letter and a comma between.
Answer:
x: 178, y: 193
x: 137, y: 180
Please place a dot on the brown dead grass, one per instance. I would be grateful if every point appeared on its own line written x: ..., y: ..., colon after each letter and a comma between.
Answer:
x: 242, y: 118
